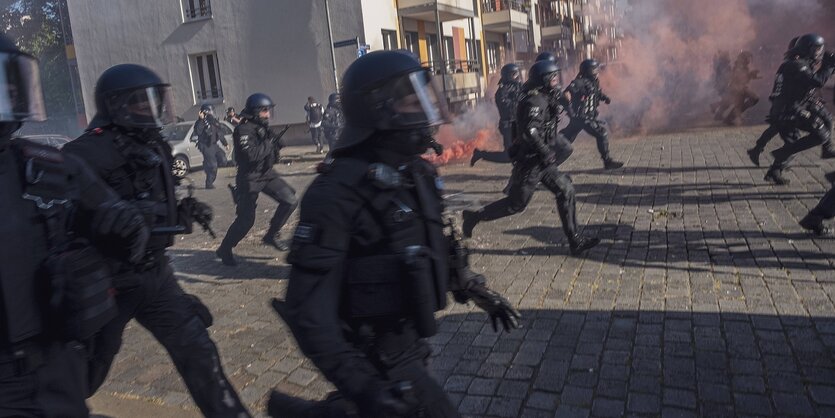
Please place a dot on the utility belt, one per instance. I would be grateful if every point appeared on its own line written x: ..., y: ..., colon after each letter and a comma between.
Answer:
x: 393, y: 286
x: 21, y: 359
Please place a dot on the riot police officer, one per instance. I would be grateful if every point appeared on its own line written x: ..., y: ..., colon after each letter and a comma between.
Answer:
x: 256, y: 151
x: 535, y: 161
x: 44, y: 326
x: 334, y: 120
x: 584, y: 96
x: 507, y: 99
x: 125, y: 147
x: 209, y: 132
x: 794, y: 108
x: 371, y: 260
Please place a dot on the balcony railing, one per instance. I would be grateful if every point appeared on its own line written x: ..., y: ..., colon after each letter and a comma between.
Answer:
x: 208, y: 94
x: 198, y: 12
x: 488, y: 6
x: 452, y: 66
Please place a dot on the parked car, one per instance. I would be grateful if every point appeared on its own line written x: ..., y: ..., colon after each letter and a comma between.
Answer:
x: 184, y: 146
x: 53, y: 140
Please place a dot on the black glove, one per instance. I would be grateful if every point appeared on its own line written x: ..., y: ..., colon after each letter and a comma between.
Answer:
x: 606, y: 99
x: 123, y: 220
x: 496, y: 306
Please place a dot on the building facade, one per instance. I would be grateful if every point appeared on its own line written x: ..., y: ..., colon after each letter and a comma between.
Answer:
x: 219, y: 52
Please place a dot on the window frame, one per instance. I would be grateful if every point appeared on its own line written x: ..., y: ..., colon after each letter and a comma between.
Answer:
x: 193, y: 12
x: 206, y: 77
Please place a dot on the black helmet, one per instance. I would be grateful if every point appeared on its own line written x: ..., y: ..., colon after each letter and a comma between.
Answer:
x: 230, y: 109
x: 546, y: 56
x: 793, y: 43
x: 132, y: 96
x: 510, y: 72
x: 334, y: 99
x: 589, y: 68
x: 255, y: 103
x: 810, y: 46
x: 21, y: 98
x: 207, y: 108
x: 543, y: 74
x: 387, y: 90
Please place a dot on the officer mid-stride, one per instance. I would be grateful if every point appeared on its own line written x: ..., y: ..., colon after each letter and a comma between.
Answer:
x: 210, y: 137
x: 55, y: 289
x: 794, y: 105
x: 371, y: 260
x: 535, y: 161
x: 256, y: 151
x: 583, y: 96
x: 314, y: 115
x: 125, y: 147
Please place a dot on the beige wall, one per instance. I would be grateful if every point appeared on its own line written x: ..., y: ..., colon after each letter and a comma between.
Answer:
x: 279, y: 47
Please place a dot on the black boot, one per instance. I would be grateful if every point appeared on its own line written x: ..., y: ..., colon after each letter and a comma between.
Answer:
x: 754, y: 155
x: 226, y: 257
x: 469, y: 221
x: 270, y: 240
x: 775, y: 176
x: 610, y: 164
x: 280, y: 406
x: 476, y: 156
x: 815, y: 224
x: 580, y: 243
x: 828, y: 152
x: 830, y: 177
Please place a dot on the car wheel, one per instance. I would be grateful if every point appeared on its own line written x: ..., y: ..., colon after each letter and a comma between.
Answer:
x: 180, y: 167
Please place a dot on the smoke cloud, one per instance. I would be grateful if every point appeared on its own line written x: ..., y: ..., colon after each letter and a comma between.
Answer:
x: 663, y: 79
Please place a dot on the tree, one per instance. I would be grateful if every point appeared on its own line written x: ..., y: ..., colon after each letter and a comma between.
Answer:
x: 36, y: 28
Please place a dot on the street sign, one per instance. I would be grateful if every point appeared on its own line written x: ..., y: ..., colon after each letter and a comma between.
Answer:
x: 347, y: 42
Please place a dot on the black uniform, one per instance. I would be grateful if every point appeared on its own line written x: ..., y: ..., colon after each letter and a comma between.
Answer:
x: 371, y: 260
x: 794, y: 109
x: 535, y: 162
x: 43, y: 372
x: 333, y: 123
x: 209, y: 132
x: 138, y: 169
x: 586, y: 96
x: 825, y: 209
x: 256, y: 151
x: 315, y: 114
x: 507, y: 99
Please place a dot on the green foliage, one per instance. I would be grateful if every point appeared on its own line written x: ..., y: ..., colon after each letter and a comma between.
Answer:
x: 35, y: 26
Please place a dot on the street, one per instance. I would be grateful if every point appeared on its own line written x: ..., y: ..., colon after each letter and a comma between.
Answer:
x: 705, y: 297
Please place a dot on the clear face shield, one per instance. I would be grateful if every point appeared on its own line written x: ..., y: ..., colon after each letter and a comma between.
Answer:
x: 415, y: 102
x: 149, y: 107
x: 21, y: 98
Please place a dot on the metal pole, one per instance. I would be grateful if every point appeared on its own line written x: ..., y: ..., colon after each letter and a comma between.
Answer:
x: 440, y: 29
x: 330, y: 41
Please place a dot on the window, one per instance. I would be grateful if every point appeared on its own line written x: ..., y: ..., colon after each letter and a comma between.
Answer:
x: 449, y: 49
x: 205, y: 77
x: 492, y: 56
x: 196, y: 9
x: 389, y: 39
x: 412, y: 42
x: 434, y: 51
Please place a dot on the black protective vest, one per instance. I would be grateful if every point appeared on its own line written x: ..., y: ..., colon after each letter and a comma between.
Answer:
x: 398, y: 267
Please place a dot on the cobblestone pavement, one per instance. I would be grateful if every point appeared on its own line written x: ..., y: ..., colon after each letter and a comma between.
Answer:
x: 704, y: 299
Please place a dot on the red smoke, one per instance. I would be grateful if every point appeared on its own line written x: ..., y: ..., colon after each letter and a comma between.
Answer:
x: 456, y: 150
x: 663, y: 78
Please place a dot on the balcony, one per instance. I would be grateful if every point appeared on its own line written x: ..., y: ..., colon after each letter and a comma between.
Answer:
x: 502, y: 15
x: 447, y: 9
x: 556, y: 27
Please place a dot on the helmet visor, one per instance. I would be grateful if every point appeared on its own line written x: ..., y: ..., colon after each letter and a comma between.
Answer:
x: 21, y: 98
x: 148, y: 107
x: 415, y: 102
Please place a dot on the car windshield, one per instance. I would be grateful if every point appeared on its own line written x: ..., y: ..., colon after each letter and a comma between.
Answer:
x: 175, y: 133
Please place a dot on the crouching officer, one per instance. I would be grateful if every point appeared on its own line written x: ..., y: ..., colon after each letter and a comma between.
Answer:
x: 54, y: 288
x: 371, y: 260
x: 125, y: 147
x: 256, y: 151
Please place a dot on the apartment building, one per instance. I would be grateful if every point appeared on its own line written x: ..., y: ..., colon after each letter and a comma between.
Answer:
x: 579, y: 29
x: 219, y: 52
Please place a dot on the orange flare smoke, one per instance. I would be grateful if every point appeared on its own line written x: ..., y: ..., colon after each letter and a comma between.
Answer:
x: 456, y: 149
